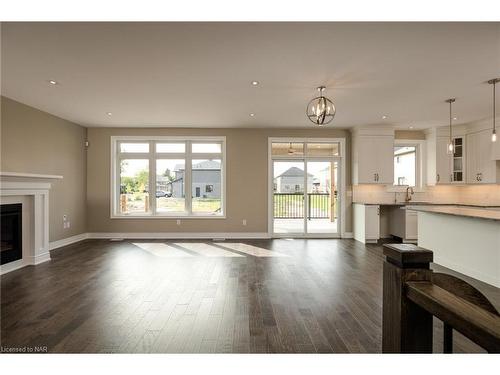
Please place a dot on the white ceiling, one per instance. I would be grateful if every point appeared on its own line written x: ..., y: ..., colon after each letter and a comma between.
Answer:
x: 199, y: 74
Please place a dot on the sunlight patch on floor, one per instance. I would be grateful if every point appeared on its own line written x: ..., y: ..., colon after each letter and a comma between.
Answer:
x: 252, y: 250
x: 162, y: 250
x: 207, y: 250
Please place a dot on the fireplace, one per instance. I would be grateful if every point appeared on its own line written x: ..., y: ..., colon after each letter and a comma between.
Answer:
x: 11, y: 232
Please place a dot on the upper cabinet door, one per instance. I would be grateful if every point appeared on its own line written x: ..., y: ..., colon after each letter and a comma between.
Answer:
x: 481, y: 169
x: 443, y: 167
x: 367, y: 161
x: 472, y: 159
x: 385, y: 160
x: 373, y: 156
x: 487, y: 166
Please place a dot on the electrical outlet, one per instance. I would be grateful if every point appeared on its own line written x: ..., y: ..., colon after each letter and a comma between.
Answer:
x: 68, y: 224
x: 178, y: 222
x: 244, y: 222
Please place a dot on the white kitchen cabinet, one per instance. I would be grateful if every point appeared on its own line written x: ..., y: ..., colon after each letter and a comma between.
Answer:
x: 443, y: 161
x: 411, y: 227
x: 373, y: 159
x: 458, y: 168
x: 481, y: 169
x: 366, y: 222
x: 403, y: 224
x: 438, y: 160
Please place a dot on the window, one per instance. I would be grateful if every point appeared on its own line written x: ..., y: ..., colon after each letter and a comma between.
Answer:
x: 294, y: 149
x: 168, y: 177
x: 405, y: 165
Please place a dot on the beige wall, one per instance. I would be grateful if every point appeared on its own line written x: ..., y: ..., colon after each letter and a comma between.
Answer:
x: 33, y: 141
x: 409, y: 134
x: 246, y: 180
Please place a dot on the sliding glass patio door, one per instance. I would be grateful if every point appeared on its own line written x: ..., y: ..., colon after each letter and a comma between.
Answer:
x: 288, y: 197
x: 322, y: 197
x: 305, y: 190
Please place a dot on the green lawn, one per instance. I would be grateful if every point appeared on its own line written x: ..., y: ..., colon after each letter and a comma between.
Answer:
x: 136, y: 203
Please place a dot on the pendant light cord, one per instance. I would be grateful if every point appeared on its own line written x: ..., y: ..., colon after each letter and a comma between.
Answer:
x: 494, y: 106
x: 450, y: 123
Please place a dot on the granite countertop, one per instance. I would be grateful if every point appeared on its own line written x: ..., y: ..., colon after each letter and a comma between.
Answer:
x: 472, y: 212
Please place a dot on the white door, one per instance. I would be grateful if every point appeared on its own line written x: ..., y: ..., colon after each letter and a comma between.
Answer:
x: 288, y: 197
x: 306, y: 198
x: 322, y: 198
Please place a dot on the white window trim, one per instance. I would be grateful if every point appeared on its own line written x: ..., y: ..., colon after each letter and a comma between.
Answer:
x: 420, y: 168
x: 188, y: 156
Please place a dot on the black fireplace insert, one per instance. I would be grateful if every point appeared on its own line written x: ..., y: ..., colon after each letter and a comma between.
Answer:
x: 11, y: 248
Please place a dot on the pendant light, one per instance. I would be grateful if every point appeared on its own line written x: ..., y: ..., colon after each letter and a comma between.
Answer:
x: 494, y: 133
x: 450, y: 142
x: 291, y: 151
x: 320, y: 110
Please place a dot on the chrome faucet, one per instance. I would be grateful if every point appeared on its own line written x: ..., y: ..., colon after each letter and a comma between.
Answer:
x: 409, y: 193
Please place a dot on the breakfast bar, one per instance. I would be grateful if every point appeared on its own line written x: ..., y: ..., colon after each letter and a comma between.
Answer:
x: 464, y: 239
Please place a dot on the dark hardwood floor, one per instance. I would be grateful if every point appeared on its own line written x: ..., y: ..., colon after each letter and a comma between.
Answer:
x: 262, y: 296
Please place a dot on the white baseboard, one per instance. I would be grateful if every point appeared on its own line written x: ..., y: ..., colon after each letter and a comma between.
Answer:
x: 180, y: 235
x: 165, y: 235
x: 12, y: 266
x: 40, y: 258
x: 68, y: 241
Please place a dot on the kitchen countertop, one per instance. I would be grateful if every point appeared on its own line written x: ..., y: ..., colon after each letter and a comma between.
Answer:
x: 472, y: 212
x: 421, y: 203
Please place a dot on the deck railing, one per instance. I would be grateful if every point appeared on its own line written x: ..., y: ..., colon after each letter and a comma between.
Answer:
x: 291, y: 205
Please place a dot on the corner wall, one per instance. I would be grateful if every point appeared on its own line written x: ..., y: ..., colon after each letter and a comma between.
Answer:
x: 33, y: 141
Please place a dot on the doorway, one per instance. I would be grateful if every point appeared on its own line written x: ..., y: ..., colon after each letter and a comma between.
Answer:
x: 306, y: 189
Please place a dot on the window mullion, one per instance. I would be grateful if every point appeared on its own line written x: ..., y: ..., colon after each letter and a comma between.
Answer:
x: 188, y: 180
x: 152, y: 178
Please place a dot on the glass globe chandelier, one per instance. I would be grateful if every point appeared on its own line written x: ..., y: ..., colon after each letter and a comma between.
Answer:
x: 321, y: 110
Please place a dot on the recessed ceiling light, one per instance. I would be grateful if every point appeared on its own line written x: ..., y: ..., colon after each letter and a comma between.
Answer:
x: 384, y: 117
x: 109, y: 113
x: 255, y: 83
x: 52, y: 82
x: 252, y: 114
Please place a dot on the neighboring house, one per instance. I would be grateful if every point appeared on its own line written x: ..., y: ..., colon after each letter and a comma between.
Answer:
x: 206, y: 180
x: 292, y: 181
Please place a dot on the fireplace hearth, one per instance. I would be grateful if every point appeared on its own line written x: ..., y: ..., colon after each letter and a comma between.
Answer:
x: 11, y: 248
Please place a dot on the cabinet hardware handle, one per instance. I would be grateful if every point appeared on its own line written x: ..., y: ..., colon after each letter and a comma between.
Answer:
x: 438, y: 178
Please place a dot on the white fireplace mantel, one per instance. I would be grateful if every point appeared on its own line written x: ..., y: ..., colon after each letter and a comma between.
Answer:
x: 35, y: 187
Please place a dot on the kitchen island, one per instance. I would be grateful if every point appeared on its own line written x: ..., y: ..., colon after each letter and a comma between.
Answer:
x: 464, y: 239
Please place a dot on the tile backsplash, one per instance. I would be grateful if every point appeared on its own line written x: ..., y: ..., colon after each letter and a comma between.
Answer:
x: 466, y: 194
